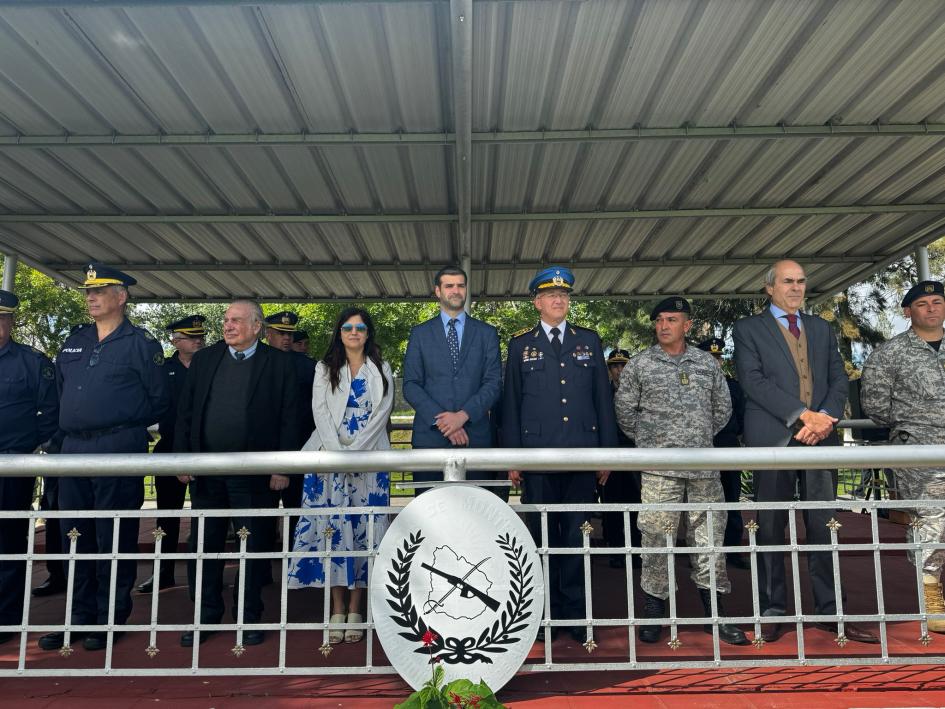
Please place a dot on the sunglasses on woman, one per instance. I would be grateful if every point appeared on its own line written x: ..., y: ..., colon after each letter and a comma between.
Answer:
x: 359, y: 327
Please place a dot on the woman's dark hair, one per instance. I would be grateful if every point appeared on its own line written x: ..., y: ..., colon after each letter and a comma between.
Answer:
x: 335, y: 357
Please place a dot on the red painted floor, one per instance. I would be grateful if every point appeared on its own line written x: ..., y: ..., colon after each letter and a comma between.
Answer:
x: 887, y: 686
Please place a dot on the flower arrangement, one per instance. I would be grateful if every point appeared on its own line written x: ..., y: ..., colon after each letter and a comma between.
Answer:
x: 458, y: 694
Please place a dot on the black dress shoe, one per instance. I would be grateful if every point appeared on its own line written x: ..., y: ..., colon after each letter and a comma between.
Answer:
x: 55, y: 641
x: 187, y: 637
x: 541, y: 634
x: 851, y: 632
x: 99, y: 640
x: 49, y: 587
x: 579, y: 633
x: 739, y: 561
x: 772, y: 632
x: 253, y: 637
x: 731, y: 634
x: 148, y: 586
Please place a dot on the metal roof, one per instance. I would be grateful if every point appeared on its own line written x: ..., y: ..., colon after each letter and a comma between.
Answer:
x: 308, y: 150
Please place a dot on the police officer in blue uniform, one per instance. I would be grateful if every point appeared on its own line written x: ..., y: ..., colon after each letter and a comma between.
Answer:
x: 558, y: 394
x: 187, y: 335
x: 112, y: 386
x: 29, y: 410
x: 281, y: 328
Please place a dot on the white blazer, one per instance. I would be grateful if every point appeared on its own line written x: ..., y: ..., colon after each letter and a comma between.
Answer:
x: 328, y: 409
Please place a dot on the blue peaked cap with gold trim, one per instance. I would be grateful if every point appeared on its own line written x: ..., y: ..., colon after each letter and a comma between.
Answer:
x: 192, y: 326
x: 98, y: 275
x: 552, y: 277
x: 921, y: 289
x: 8, y: 301
x: 283, y: 321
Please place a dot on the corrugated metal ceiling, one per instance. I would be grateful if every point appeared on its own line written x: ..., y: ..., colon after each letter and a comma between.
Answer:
x: 308, y: 150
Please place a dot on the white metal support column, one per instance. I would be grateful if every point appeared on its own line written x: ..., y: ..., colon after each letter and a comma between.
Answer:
x: 9, y: 271
x: 922, y: 263
x: 461, y: 41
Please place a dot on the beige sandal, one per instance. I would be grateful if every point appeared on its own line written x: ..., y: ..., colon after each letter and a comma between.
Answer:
x: 336, y: 635
x: 354, y: 635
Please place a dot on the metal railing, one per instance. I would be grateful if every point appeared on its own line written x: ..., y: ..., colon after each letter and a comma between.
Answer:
x: 454, y: 464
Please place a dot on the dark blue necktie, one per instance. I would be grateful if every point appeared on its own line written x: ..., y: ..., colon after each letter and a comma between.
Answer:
x: 240, y: 356
x: 555, y: 342
x: 452, y: 339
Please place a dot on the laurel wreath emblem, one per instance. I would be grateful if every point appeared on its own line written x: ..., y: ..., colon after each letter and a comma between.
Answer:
x: 468, y: 650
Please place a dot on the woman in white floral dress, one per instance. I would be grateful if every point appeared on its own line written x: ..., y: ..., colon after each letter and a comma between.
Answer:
x: 351, y: 402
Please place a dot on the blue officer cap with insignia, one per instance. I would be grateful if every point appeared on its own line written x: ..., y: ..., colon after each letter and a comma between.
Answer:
x: 8, y: 301
x: 99, y: 275
x: 921, y: 289
x: 552, y: 277
x: 618, y: 357
x: 673, y: 304
x: 299, y: 336
x: 283, y: 321
x: 713, y: 345
x: 192, y: 326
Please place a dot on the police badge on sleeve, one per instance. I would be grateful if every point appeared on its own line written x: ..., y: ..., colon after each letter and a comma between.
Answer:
x: 457, y: 565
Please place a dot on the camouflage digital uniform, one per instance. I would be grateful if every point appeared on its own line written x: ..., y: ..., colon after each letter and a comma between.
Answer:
x: 667, y: 402
x: 903, y: 387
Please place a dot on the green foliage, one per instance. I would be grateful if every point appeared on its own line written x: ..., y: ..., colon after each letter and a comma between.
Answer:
x: 47, y: 310
x: 458, y: 694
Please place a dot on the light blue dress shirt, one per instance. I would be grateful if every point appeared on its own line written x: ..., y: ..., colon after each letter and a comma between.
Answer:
x: 779, y: 316
x: 460, y: 324
x: 249, y: 351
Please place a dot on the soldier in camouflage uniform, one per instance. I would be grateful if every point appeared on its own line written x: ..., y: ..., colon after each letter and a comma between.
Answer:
x: 675, y: 396
x: 903, y: 387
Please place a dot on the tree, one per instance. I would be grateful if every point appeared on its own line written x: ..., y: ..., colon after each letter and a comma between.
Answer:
x: 47, y: 310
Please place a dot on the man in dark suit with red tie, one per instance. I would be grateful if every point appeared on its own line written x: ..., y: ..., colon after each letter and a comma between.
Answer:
x: 795, y: 386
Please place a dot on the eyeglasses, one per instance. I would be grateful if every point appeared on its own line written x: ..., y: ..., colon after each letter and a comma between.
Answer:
x: 358, y: 327
x: 555, y: 296
x: 96, y: 351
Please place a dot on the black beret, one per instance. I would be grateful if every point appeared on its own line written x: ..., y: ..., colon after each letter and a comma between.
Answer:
x: 673, y: 304
x: 921, y: 289
x: 8, y: 301
x: 713, y: 345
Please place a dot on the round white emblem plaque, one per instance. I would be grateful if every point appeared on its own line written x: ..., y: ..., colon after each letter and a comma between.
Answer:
x: 458, y: 580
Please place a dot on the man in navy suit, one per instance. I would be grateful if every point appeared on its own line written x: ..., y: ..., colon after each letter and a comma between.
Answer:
x: 452, y: 375
x: 558, y: 395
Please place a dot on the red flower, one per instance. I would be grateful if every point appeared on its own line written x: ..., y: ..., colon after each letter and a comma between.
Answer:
x: 474, y: 701
x: 429, y: 638
x: 456, y: 699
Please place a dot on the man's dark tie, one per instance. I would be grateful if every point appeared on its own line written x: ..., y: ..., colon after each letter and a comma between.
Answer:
x: 792, y: 324
x: 555, y: 341
x: 452, y: 339
x: 240, y: 356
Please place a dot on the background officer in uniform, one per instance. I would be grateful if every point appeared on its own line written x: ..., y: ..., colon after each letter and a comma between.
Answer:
x: 29, y: 411
x: 674, y: 396
x: 187, y: 335
x: 112, y: 386
x: 300, y: 342
x: 903, y: 387
x: 557, y: 394
x: 728, y: 437
x: 280, y: 333
x: 623, y: 486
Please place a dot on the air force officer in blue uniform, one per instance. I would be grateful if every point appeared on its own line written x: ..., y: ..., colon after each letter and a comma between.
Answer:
x: 112, y: 386
x: 29, y: 407
x: 558, y: 395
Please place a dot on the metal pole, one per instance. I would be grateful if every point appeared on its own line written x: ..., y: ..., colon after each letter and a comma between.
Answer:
x: 461, y: 35
x: 9, y: 271
x: 922, y: 263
